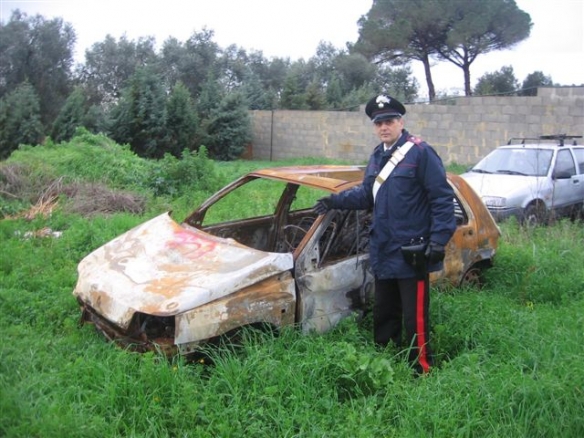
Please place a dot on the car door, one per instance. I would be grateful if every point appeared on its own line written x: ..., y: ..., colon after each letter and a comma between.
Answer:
x: 567, y: 183
x: 579, y: 177
x: 332, y: 272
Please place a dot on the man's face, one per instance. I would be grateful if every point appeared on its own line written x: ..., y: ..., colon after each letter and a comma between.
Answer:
x: 390, y: 130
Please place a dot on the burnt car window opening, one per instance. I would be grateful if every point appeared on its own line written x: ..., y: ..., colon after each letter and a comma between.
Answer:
x: 257, y: 198
x: 346, y: 235
x: 273, y: 215
x: 459, y: 213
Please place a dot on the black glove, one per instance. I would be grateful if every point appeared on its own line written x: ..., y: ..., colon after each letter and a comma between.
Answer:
x: 434, y: 253
x: 323, y: 205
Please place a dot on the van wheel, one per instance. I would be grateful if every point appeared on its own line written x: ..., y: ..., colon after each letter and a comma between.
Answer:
x: 535, y: 214
x: 577, y: 213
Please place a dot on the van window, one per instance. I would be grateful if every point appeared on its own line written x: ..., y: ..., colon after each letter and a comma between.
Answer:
x: 565, y: 162
x: 579, y: 152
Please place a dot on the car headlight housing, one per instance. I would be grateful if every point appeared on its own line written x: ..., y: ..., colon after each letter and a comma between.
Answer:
x: 494, y: 201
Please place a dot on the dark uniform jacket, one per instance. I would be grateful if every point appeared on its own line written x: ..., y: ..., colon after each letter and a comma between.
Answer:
x: 415, y: 201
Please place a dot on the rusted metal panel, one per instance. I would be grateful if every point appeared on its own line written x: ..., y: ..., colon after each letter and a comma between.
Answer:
x: 332, y: 293
x: 472, y: 242
x: 327, y: 177
x: 162, y: 268
x: 271, y: 301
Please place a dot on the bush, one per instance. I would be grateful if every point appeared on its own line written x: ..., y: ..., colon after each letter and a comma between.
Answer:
x: 88, y: 157
x: 193, y: 172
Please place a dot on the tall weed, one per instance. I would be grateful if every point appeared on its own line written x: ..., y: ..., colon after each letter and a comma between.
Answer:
x: 540, y: 264
x: 508, y: 355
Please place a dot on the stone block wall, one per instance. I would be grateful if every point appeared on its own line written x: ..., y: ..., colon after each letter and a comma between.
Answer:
x: 462, y: 131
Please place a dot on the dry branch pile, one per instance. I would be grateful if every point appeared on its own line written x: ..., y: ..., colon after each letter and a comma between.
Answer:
x: 83, y: 198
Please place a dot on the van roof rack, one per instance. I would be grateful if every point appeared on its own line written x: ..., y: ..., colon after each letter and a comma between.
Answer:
x: 559, y: 137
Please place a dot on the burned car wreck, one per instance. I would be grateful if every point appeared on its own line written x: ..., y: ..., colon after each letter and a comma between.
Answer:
x: 173, y: 286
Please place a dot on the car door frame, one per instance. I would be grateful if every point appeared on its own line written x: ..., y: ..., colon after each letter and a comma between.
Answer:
x: 566, y: 189
x: 329, y: 291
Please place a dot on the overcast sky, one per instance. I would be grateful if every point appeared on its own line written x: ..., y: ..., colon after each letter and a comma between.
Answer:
x: 294, y: 28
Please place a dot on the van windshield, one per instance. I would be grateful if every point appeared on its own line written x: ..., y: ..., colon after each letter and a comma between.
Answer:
x: 519, y: 161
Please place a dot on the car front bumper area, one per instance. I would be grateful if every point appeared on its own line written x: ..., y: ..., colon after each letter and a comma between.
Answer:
x: 145, y: 333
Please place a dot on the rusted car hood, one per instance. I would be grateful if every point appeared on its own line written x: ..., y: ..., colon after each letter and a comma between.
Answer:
x: 164, y: 268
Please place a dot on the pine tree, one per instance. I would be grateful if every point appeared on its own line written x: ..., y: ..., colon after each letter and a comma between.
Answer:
x: 229, y: 128
x: 20, y: 121
x: 139, y: 118
x: 181, y: 121
x: 70, y: 117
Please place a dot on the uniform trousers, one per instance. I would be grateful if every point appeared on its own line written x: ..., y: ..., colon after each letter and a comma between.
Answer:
x: 404, y: 304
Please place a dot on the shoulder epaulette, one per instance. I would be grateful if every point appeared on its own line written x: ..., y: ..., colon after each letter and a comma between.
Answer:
x: 414, y: 139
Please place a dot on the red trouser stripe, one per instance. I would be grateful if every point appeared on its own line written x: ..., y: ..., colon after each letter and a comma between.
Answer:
x: 421, y: 327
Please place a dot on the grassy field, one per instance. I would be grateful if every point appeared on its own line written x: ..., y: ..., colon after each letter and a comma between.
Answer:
x: 509, y: 355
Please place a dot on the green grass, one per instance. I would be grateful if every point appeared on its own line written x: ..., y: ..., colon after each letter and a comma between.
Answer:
x: 509, y: 356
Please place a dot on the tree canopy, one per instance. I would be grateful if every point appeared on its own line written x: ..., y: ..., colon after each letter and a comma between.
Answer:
x: 534, y: 80
x: 500, y: 82
x: 458, y: 31
x: 479, y: 27
x: 184, y: 94
x: 397, y: 32
x: 40, y: 52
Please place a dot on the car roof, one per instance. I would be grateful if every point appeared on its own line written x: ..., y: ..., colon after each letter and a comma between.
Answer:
x: 550, y: 146
x: 545, y: 141
x: 334, y: 178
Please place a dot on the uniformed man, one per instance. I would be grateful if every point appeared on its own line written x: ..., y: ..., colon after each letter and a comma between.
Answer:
x: 413, y: 207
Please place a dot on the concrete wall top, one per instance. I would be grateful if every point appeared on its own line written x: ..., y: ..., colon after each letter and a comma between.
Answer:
x: 462, y: 131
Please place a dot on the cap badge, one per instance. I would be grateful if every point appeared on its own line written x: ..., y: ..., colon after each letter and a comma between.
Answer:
x: 382, y: 100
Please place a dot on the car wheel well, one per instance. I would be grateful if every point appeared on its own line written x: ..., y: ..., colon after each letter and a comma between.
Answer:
x: 535, y: 213
x: 474, y: 275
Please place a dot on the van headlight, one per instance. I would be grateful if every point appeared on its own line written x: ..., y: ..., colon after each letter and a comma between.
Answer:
x: 494, y: 201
